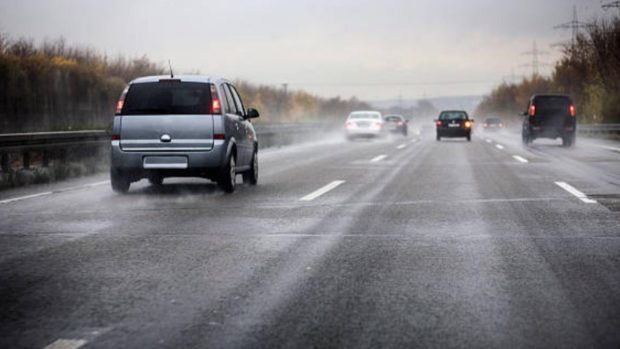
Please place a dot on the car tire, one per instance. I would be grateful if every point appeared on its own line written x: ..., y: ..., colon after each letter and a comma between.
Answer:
x: 568, y: 140
x: 438, y: 137
x: 120, y: 183
x: 156, y: 180
x: 228, y: 175
x: 251, y: 177
x: 469, y: 137
x: 526, y: 139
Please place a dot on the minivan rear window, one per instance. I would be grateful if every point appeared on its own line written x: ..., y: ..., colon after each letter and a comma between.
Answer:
x: 168, y: 97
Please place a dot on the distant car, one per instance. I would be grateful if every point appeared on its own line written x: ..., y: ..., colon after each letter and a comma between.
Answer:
x: 396, y: 124
x: 550, y: 116
x: 182, y: 126
x: 492, y: 124
x: 454, y: 123
x: 364, y: 124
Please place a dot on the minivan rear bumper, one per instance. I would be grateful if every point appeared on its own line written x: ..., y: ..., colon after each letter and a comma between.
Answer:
x: 198, y: 163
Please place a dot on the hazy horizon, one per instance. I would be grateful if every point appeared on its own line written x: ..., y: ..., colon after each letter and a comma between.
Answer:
x: 374, y: 51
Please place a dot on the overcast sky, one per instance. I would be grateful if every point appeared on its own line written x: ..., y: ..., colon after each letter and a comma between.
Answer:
x: 372, y: 49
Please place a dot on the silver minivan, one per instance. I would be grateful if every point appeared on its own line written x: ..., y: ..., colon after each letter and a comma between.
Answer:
x: 185, y: 126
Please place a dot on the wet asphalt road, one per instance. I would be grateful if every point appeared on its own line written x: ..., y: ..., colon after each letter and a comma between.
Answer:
x: 419, y: 244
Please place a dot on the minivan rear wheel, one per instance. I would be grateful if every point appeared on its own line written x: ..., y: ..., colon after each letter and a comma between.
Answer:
x: 120, y: 184
x: 228, y: 176
x: 251, y: 177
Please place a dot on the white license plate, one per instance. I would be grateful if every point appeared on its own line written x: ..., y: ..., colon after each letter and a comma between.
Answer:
x: 454, y: 125
x: 164, y: 162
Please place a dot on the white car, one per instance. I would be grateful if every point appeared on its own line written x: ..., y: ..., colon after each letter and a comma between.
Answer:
x: 364, y: 124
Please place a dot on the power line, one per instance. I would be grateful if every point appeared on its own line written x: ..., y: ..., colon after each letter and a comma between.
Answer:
x: 614, y: 4
x: 574, y: 25
x: 535, y: 53
x: 384, y: 84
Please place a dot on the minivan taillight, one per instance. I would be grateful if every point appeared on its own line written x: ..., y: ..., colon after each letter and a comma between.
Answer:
x: 121, y: 101
x: 216, y: 105
x: 573, y: 112
x: 532, y: 110
x: 116, y: 137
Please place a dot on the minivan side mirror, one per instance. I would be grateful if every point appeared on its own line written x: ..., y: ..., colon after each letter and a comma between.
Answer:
x: 252, y: 113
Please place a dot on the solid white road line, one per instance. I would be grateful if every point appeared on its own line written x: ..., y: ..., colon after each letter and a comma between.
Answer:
x: 378, y: 158
x: 402, y: 146
x: 66, y: 344
x: 20, y: 198
x: 609, y: 148
x: 583, y: 197
x: 315, y: 194
x: 520, y: 159
x: 90, y: 185
x: 499, y: 146
x: 62, y: 190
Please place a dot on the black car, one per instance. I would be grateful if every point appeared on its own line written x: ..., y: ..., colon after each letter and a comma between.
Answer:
x: 454, y: 123
x: 396, y: 124
x: 493, y: 124
x: 550, y: 116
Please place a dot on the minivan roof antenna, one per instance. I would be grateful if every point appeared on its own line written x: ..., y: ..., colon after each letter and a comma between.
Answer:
x: 171, y: 73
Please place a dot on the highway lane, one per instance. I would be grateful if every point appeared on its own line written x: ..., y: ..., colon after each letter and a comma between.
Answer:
x: 410, y: 243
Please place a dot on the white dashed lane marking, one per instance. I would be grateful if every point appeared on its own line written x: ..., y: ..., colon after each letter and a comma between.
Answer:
x: 499, y: 146
x: 520, y: 159
x: 315, y: 194
x: 66, y: 344
x: 378, y: 158
x: 583, y: 197
x: 402, y: 146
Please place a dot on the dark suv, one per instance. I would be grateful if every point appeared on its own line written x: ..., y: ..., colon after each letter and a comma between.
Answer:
x: 550, y: 116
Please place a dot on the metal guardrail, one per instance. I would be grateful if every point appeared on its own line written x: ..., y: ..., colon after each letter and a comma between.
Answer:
x: 598, y: 129
x: 18, y: 141
x: 47, y: 142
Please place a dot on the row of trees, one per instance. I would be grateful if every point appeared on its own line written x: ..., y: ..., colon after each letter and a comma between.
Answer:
x: 54, y: 86
x: 589, y: 72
